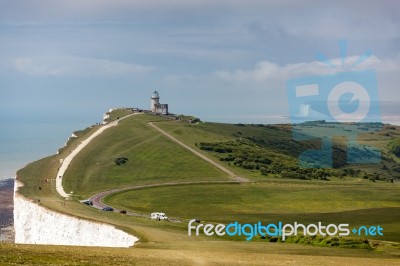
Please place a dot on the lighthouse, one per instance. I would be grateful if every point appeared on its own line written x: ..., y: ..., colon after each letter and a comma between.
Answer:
x: 156, y: 106
x: 155, y: 100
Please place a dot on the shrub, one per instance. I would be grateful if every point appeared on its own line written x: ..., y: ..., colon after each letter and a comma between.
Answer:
x: 328, y: 241
x: 120, y: 160
x: 394, y: 146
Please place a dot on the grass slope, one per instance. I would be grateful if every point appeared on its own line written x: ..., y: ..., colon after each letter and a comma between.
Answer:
x: 277, y: 141
x: 154, y: 159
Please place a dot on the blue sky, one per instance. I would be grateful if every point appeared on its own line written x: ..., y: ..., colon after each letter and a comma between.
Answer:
x: 219, y: 60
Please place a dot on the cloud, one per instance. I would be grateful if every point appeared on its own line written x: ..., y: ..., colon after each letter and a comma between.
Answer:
x: 93, y: 9
x: 270, y: 78
x: 76, y: 67
x: 267, y: 71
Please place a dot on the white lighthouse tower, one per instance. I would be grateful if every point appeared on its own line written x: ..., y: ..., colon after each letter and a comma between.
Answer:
x: 155, y: 101
x: 156, y: 106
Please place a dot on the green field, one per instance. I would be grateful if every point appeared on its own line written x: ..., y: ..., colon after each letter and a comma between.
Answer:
x: 356, y: 204
x: 154, y: 159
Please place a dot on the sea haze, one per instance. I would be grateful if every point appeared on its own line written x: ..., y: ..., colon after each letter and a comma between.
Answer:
x: 23, y: 141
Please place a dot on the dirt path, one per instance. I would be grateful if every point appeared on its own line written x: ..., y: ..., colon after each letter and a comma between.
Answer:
x: 69, y: 158
x: 202, y: 156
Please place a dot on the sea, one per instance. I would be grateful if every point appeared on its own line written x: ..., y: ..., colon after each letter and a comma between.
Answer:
x: 24, y: 142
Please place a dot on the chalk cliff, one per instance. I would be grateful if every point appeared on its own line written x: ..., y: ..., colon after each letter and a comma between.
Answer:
x: 35, y: 224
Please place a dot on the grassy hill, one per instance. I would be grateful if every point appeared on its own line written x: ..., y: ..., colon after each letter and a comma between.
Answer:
x: 265, y: 155
x: 271, y: 149
x: 152, y: 158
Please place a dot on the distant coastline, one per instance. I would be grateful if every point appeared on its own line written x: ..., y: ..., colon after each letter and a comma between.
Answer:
x: 6, y: 210
x: 5, y: 181
x: 6, y: 199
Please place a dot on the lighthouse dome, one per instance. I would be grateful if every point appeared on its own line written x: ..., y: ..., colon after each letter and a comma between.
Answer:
x: 155, y: 95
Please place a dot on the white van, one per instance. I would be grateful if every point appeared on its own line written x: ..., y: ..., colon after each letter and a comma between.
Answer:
x: 158, y: 216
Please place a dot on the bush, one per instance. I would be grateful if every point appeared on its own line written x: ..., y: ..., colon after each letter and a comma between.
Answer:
x: 394, y: 146
x: 328, y: 241
x: 120, y: 160
x: 273, y: 239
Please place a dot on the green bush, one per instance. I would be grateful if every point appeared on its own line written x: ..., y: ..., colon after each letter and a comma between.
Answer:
x: 252, y: 154
x: 394, y: 146
x: 120, y: 160
x: 327, y: 241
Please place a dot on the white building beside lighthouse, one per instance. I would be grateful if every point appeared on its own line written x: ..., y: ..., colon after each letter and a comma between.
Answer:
x: 156, y: 106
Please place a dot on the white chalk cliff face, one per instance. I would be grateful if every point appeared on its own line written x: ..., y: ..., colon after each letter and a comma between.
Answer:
x: 35, y: 224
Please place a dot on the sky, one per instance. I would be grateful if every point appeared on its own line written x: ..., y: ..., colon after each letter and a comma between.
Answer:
x: 220, y: 60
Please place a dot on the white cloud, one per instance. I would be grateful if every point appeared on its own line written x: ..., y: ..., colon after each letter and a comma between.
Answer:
x: 269, y: 77
x: 76, y: 67
x: 268, y: 71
